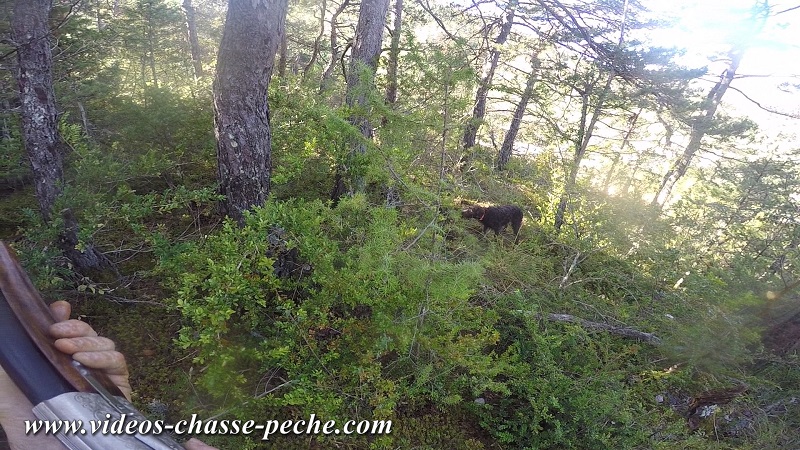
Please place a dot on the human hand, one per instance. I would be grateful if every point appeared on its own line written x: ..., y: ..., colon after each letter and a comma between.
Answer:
x: 78, y: 339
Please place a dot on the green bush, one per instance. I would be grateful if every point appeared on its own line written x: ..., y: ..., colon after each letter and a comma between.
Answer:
x: 368, y: 328
x: 566, y: 389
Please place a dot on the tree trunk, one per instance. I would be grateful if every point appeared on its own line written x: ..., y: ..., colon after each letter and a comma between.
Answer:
x: 511, y: 135
x: 582, y: 144
x: 360, y: 79
x: 101, y: 24
x: 38, y: 104
x: 39, y: 121
x: 283, y: 55
x: 489, y: 67
x: 394, y: 54
x: 366, y: 50
x: 699, y: 129
x: 253, y: 30
x: 194, y: 42
x: 84, y: 119
x: 701, y: 125
x: 618, y: 155
x: 585, y: 132
x: 326, y: 76
x: 315, y: 53
x: 151, y: 45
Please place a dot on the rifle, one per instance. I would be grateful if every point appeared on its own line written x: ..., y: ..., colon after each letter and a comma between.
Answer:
x: 59, y: 387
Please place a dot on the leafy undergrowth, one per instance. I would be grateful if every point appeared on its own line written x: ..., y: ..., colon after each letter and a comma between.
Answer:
x: 411, y: 315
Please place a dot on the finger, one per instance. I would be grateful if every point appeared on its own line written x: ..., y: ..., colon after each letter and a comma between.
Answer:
x: 85, y: 344
x: 60, y: 310
x: 111, y: 362
x: 71, y: 329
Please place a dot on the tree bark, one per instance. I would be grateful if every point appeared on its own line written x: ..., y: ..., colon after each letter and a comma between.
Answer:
x: 625, y: 332
x: 30, y: 33
x: 39, y: 120
x: 504, y: 154
x: 194, y: 42
x: 489, y: 67
x: 253, y: 31
x: 366, y: 50
x: 283, y: 57
x: 360, y: 80
x: 101, y: 24
x: 394, y: 54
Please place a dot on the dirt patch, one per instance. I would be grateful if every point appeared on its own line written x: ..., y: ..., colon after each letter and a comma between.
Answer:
x: 784, y: 337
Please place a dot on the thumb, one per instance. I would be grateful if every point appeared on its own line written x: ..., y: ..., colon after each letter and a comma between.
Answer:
x: 60, y: 310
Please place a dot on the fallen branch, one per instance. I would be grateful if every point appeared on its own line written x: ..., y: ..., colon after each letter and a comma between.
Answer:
x: 568, y: 271
x: 619, y: 331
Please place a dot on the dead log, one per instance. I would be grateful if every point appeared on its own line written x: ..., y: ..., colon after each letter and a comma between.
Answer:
x: 626, y: 332
x: 620, y: 331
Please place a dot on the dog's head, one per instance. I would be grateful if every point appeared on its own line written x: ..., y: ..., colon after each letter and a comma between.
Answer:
x: 473, y: 212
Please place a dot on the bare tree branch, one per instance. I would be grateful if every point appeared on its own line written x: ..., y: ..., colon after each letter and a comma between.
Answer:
x: 769, y: 110
x: 427, y: 7
x: 786, y: 10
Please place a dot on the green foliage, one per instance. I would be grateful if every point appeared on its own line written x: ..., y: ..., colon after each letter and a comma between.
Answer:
x: 101, y: 193
x: 103, y: 187
x: 369, y: 326
x: 13, y: 163
x: 409, y: 313
x: 153, y: 33
x: 168, y: 139
x: 422, y: 133
x: 565, y: 390
x: 309, y: 138
x: 15, y: 173
x: 436, y: 431
x: 39, y: 263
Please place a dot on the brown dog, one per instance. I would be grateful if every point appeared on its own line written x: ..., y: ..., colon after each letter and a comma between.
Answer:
x: 496, y: 217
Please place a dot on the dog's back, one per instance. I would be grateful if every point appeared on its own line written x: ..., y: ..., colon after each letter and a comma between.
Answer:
x: 495, y: 217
